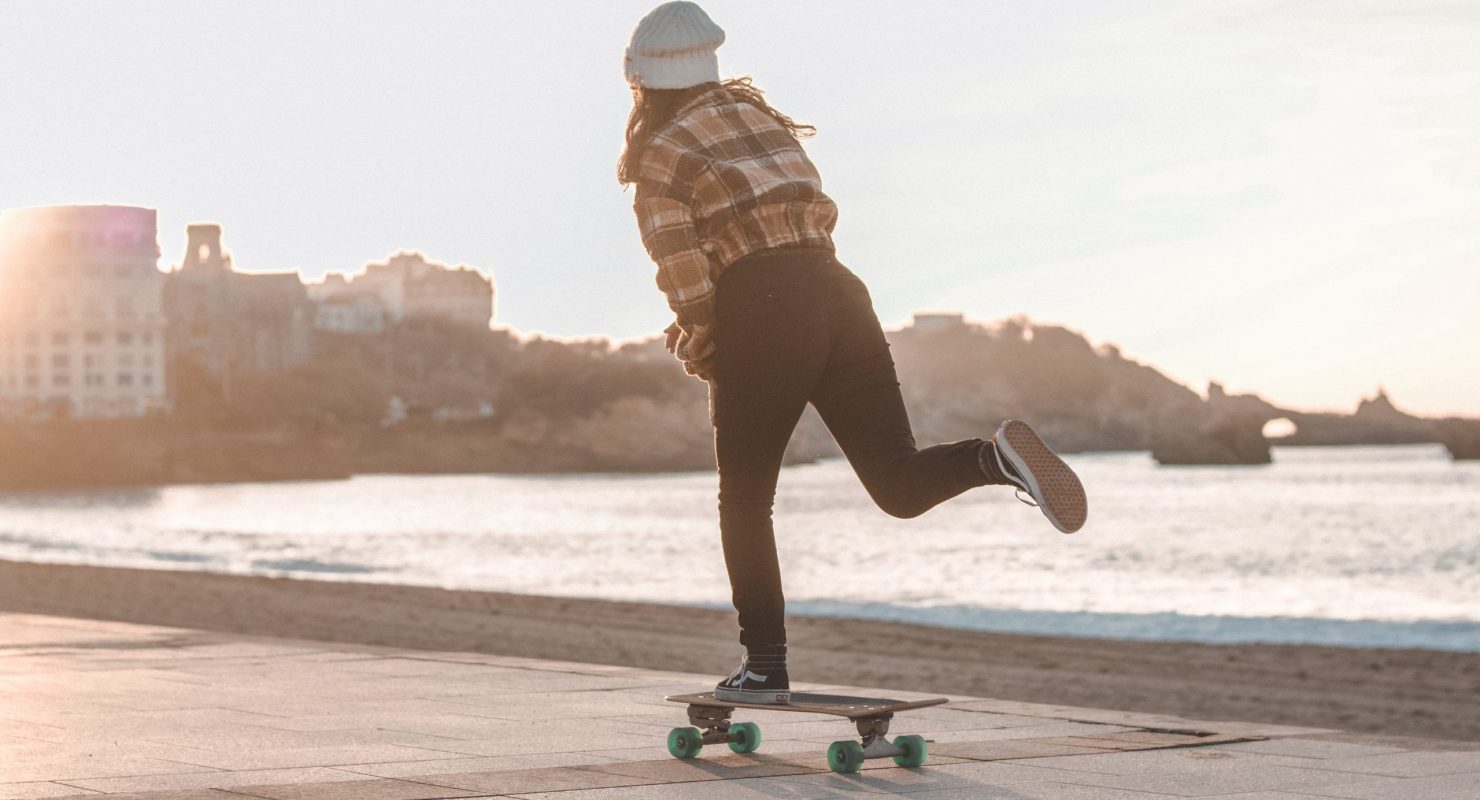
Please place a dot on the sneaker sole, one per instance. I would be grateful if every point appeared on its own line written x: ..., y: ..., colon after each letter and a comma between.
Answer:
x: 1053, y: 485
x: 772, y: 698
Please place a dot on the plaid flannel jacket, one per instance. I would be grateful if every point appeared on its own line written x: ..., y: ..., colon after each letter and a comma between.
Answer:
x: 721, y: 181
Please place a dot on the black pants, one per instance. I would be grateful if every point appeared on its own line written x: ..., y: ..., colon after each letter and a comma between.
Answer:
x: 795, y: 327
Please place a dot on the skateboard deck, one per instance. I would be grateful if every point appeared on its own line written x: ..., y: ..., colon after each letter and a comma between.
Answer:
x: 710, y: 724
x: 838, y: 705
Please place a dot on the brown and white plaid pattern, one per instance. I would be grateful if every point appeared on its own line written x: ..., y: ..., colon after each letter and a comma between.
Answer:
x: 721, y: 181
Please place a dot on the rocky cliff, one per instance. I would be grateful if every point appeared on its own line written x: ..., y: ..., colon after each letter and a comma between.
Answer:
x: 492, y: 401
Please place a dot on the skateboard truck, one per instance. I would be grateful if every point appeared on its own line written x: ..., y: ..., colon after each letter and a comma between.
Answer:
x: 713, y: 722
x: 712, y: 725
x: 872, y: 731
x: 846, y: 756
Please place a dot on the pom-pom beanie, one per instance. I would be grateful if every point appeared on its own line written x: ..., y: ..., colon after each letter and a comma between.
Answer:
x: 673, y: 48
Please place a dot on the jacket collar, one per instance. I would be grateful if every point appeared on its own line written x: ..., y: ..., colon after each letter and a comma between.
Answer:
x: 712, y: 96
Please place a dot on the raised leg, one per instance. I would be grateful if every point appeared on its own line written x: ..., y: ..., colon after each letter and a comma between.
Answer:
x: 858, y: 397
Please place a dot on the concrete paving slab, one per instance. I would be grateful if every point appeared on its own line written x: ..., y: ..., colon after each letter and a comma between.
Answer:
x: 1437, y: 787
x: 233, y: 738
x: 189, y: 794
x: 23, y: 731
x: 447, y: 726
x: 38, y: 790
x: 1134, y: 719
x: 1309, y: 748
x: 376, y: 789
x: 258, y: 700
x: 415, y: 769
x: 1254, y: 729
x: 526, y: 707
x: 1125, y: 739
x: 109, y: 709
x: 733, y: 767
x: 1216, y: 779
x: 1049, y: 729
x: 1406, y: 765
x: 937, y: 777
x: 1160, y: 761
x: 1042, y: 791
x: 115, y: 722
x: 646, y: 752
x: 39, y: 766
x: 1035, y: 711
x: 283, y: 757
x: 1268, y: 796
x: 1012, y: 749
x: 215, y: 779
x: 745, y: 789
x: 503, y: 782
x: 554, y: 736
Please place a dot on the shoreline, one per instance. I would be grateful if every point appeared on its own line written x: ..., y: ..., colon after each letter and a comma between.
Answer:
x: 1455, y: 636
x: 1404, y: 692
x: 270, y: 458
x: 1166, y: 627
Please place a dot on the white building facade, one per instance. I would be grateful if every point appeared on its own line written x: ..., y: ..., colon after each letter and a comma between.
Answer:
x: 410, y: 287
x: 937, y: 320
x: 82, y: 329
x: 354, y: 313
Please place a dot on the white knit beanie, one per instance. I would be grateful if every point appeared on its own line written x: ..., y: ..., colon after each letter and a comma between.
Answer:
x: 673, y: 48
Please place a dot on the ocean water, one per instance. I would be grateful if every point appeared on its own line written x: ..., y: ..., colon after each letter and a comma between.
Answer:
x: 1362, y: 546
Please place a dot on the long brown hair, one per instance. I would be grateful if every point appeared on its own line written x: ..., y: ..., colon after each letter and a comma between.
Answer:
x: 654, y: 108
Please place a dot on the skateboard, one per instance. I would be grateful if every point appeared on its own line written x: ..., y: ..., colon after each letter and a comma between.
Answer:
x: 710, y: 724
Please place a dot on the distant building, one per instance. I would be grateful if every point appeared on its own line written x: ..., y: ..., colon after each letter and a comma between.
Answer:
x: 410, y: 287
x: 935, y: 321
x: 352, y: 312
x: 226, y: 320
x: 82, y: 332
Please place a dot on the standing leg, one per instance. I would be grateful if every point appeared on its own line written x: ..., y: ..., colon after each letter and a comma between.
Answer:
x: 770, y: 348
x: 858, y: 397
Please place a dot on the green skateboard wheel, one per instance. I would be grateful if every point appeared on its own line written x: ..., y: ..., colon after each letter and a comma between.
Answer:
x: 845, y: 757
x: 914, y: 751
x: 685, y: 742
x: 749, y: 737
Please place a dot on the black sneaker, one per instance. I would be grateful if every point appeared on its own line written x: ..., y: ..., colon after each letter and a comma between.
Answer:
x: 1033, y: 468
x: 760, y: 678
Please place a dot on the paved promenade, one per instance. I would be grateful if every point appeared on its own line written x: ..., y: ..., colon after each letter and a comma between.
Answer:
x: 90, y: 708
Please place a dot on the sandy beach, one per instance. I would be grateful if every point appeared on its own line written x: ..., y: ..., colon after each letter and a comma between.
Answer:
x: 1419, y: 693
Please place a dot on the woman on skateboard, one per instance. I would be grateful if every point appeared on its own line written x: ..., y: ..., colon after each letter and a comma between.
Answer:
x: 733, y: 213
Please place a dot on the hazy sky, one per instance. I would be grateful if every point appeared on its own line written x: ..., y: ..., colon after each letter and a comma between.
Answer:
x: 1281, y: 196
